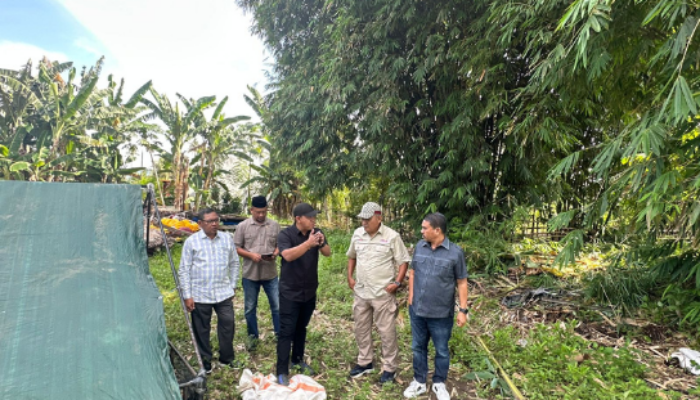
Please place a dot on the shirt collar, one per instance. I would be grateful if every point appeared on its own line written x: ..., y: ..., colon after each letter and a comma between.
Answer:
x: 380, y: 231
x: 267, y: 221
x: 296, y: 230
x: 203, y: 235
x: 445, y: 243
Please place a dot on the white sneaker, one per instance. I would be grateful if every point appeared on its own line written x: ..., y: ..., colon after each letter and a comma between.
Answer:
x: 414, y: 390
x: 441, y: 391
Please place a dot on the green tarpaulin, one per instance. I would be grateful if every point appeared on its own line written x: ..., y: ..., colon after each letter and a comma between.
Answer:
x: 80, y: 314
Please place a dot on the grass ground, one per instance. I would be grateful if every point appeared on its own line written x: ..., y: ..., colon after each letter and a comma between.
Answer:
x: 556, y: 358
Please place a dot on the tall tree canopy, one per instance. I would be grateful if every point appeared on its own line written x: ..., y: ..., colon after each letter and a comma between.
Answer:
x: 470, y: 107
x: 470, y: 104
x: 424, y: 95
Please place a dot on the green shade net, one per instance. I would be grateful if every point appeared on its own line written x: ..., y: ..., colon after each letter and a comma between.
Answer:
x: 80, y: 314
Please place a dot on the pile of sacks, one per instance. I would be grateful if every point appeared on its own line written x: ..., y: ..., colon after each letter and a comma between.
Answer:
x: 261, y: 387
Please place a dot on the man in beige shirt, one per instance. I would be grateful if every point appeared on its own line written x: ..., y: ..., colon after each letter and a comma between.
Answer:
x: 375, y: 253
x: 256, y: 242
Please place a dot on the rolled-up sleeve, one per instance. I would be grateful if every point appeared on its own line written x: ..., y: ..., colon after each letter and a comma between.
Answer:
x: 233, y: 265
x: 184, y: 270
x: 460, y: 267
x: 400, y: 252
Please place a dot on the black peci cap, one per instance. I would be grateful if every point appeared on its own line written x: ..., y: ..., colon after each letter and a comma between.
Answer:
x: 259, y: 202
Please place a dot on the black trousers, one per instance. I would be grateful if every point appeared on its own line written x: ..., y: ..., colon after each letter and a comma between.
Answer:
x: 294, y: 317
x: 226, y: 327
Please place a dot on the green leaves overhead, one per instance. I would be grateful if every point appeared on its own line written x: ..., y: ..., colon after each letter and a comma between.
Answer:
x: 391, y: 89
x: 587, y: 108
x: 56, y: 127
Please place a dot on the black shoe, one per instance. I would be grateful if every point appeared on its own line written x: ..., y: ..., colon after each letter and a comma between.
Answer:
x: 208, y: 368
x: 360, y: 370
x: 304, y: 368
x: 283, y: 379
x: 387, y: 377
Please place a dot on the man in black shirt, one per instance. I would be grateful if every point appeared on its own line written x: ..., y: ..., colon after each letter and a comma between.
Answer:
x: 299, y: 246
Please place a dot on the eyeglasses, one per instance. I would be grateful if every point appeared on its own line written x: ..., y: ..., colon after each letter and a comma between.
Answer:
x: 211, y: 221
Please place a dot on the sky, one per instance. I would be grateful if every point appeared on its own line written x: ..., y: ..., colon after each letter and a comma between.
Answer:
x: 195, y: 48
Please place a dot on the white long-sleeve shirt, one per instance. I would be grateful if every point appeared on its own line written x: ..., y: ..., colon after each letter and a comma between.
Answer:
x: 208, y: 268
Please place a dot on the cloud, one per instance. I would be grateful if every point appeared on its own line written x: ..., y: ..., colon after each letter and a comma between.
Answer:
x: 13, y: 55
x: 192, y: 48
x: 85, y: 44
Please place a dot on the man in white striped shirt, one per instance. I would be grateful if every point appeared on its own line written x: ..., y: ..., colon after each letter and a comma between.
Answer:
x: 208, y: 275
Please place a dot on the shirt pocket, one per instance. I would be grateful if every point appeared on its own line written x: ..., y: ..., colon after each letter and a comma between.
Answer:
x: 419, y: 262
x: 250, y: 240
x: 381, y: 250
x: 441, y: 269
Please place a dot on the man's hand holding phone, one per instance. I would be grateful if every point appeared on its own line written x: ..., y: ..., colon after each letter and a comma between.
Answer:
x: 321, y: 238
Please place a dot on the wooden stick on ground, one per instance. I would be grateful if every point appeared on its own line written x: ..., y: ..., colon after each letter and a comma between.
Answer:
x: 505, y: 376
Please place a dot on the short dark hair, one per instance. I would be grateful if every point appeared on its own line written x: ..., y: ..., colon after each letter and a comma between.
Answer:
x: 205, y: 211
x: 437, y: 220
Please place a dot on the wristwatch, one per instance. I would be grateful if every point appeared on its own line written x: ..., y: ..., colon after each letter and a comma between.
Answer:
x: 397, y: 283
x: 463, y: 310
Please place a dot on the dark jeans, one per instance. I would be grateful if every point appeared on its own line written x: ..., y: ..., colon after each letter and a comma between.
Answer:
x: 294, y: 317
x: 201, y: 324
x: 251, y: 289
x: 423, y: 329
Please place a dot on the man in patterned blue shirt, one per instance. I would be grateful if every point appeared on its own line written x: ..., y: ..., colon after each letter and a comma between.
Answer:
x: 437, y: 266
x: 208, y: 275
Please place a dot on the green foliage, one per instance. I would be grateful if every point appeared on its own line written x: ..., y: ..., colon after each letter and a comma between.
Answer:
x: 231, y: 205
x: 551, y: 363
x: 583, y: 370
x: 679, y: 305
x: 276, y: 178
x: 584, y: 107
x: 624, y: 288
x: 650, y: 161
x: 416, y: 93
x: 487, y: 245
x: 56, y: 128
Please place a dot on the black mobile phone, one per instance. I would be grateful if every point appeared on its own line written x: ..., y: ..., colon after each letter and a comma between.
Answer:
x: 267, y: 257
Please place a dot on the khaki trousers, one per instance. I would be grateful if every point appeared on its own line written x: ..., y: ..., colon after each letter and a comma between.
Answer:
x: 383, y: 311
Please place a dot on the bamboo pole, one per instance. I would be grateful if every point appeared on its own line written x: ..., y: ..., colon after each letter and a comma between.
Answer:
x: 518, y: 395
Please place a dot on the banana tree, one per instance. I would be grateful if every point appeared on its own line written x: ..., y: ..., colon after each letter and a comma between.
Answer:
x: 181, y: 127
x: 221, y: 140
x: 276, y: 177
x: 52, y: 128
